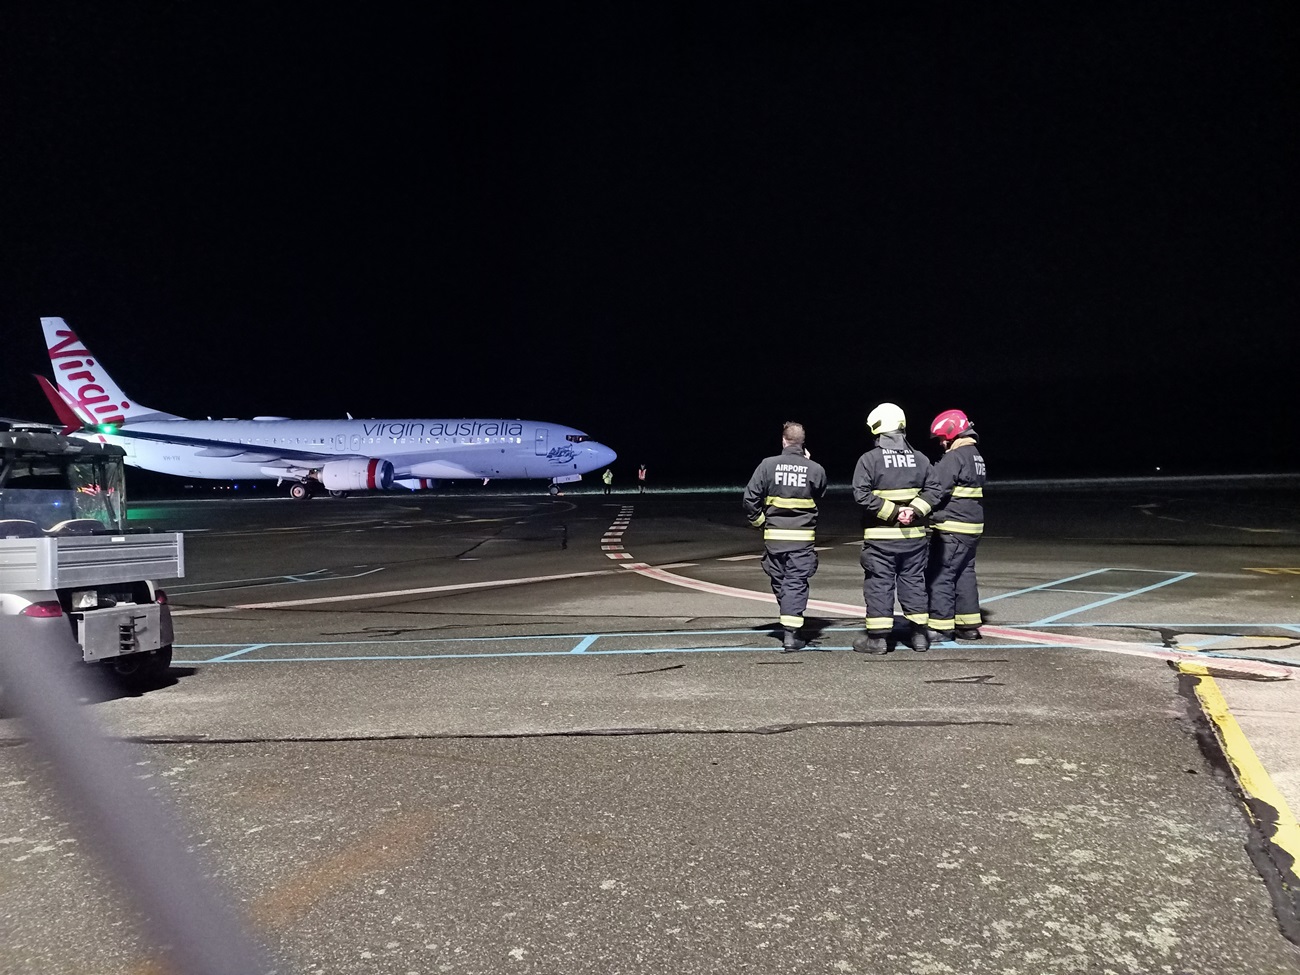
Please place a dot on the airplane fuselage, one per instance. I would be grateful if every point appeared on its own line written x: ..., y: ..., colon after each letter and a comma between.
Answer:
x: 417, y: 448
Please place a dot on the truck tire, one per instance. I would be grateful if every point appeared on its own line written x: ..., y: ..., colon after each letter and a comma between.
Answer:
x: 141, y: 668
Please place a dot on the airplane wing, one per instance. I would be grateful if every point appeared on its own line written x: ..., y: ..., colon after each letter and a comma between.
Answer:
x: 453, y: 463
x: 232, y: 450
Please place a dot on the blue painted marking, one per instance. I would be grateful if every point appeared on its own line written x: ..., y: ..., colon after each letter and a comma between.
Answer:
x: 586, y: 642
x: 494, y: 639
x: 1045, y: 585
x: 558, y: 653
x: 583, y: 638
x: 1082, y: 592
x: 237, y: 653
x: 1112, y: 599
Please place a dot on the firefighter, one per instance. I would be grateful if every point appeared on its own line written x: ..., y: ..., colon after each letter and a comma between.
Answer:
x: 958, y: 522
x: 782, y: 498
x: 889, y: 484
x: 608, y: 478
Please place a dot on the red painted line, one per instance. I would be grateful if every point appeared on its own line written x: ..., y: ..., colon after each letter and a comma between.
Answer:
x: 1255, y: 667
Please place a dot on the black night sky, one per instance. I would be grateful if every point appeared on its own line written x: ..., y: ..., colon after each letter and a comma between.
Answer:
x: 673, y: 225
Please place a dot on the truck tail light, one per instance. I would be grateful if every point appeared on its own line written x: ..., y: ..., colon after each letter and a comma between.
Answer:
x: 43, y: 610
x: 160, y: 597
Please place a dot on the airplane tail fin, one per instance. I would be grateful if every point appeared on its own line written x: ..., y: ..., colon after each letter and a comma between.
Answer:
x: 84, y: 386
x: 62, y: 408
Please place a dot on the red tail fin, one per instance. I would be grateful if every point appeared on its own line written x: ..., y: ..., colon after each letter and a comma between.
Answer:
x: 71, y: 422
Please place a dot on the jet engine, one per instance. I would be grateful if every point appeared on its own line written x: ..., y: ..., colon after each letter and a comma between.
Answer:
x: 357, y: 475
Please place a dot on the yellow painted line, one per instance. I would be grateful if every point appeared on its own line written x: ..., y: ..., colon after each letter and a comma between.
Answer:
x: 1274, y: 570
x: 397, y: 843
x: 386, y: 849
x: 1282, y: 831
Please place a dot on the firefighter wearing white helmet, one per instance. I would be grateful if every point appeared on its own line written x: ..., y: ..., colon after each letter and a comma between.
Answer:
x: 958, y: 522
x: 889, y: 486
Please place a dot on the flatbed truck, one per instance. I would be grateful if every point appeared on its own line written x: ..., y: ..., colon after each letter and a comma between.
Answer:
x: 66, y: 550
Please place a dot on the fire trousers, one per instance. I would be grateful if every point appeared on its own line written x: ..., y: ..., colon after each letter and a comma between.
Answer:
x: 790, y: 573
x: 894, y: 565
x: 954, y: 592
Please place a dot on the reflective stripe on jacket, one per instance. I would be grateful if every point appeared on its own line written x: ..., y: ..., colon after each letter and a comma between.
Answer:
x: 959, y: 486
x: 782, y: 498
x: 888, y: 477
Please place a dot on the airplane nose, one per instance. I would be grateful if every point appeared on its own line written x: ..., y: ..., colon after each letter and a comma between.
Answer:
x: 601, y: 456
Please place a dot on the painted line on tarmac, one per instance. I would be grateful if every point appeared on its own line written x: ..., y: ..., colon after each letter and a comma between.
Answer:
x: 1113, y: 599
x: 1042, y: 585
x: 1184, y: 625
x: 567, y: 637
x: 774, y: 647
x: 390, y: 594
x: 1265, y: 805
x: 231, y: 656
x: 1257, y: 668
x: 1049, y: 585
x: 263, y: 582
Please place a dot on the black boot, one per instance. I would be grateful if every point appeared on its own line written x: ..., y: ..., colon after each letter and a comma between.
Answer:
x: 968, y: 633
x: 791, y: 642
x: 939, y: 636
x: 920, y: 643
x: 871, y: 644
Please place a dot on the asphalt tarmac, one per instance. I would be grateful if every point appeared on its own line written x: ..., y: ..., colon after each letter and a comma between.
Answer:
x: 490, y: 733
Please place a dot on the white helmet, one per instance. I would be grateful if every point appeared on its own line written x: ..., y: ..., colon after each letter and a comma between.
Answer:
x: 886, y: 418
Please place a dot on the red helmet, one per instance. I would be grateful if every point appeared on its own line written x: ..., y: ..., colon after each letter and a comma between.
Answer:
x: 949, y: 425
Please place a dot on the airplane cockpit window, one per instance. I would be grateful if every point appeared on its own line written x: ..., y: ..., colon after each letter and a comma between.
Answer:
x: 576, y: 438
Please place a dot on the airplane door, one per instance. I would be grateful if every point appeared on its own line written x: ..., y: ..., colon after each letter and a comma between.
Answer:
x: 356, y: 442
x: 340, y: 442
x: 540, y: 445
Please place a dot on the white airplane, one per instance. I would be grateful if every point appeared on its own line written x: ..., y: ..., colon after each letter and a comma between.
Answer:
x: 334, y: 455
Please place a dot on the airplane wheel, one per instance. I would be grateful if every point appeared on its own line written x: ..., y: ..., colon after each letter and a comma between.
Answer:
x: 553, y: 490
x: 338, y: 494
x: 299, y: 492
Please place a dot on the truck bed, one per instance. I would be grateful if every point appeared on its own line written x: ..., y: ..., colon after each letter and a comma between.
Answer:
x: 89, y: 560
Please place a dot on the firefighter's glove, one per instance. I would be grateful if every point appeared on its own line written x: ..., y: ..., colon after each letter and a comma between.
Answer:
x: 906, y: 515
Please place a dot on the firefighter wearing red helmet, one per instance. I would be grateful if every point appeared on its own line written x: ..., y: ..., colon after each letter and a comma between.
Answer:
x: 958, y: 522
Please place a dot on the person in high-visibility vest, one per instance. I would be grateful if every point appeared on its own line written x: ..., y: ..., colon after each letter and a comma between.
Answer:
x: 608, y: 478
x: 640, y: 479
x: 781, y: 498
